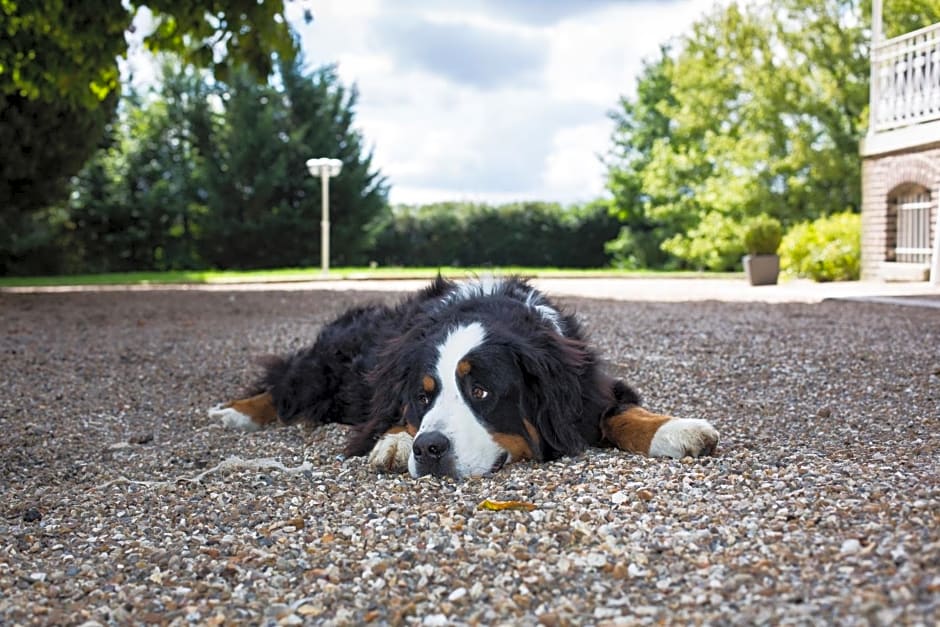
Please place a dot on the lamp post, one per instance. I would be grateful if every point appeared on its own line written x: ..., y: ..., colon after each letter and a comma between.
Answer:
x: 325, y: 167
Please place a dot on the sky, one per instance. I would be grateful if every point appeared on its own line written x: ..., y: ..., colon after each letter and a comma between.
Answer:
x: 489, y: 100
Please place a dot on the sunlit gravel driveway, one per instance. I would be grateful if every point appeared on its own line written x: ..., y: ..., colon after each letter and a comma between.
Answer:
x: 121, y: 502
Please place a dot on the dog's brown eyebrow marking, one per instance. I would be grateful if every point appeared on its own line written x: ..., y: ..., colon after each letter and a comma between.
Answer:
x: 463, y: 367
x: 428, y: 383
x: 406, y: 428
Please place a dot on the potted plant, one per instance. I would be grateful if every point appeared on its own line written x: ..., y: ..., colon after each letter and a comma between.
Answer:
x: 762, y: 237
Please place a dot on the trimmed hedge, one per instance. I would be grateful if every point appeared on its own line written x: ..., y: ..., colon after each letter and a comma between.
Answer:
x: 521, y: 234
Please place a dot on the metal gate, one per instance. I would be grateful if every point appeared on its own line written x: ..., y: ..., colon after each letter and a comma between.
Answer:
x: 914, y: 243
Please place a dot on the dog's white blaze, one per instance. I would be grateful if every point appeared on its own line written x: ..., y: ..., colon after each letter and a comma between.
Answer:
x: 683, y: 436
x: 474, y: 450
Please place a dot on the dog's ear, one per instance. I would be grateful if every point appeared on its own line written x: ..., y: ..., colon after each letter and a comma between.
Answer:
x: 556, y: 370
x: 392, y: 384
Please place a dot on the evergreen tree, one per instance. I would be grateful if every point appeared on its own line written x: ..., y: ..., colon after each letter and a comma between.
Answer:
x: 200, y: 173
x: 134, y: 205
x: 263, y: 205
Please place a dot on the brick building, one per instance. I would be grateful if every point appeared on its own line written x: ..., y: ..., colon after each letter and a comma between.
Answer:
x: 901, y: 157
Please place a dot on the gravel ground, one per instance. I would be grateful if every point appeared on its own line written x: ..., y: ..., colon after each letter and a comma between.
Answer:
x: 121, y: 502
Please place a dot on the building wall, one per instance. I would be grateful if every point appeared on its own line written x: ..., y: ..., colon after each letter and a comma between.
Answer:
x: 882, y: 175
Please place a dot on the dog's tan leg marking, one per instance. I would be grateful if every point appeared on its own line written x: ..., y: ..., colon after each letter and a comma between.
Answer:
x: 644, y: 432
x: 392, y: 450
x: 247, y: 414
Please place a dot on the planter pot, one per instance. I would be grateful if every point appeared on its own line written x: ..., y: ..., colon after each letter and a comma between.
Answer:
x: 762, y: 269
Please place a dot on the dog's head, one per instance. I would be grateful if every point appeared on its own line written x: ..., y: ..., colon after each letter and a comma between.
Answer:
x: 478, y: 394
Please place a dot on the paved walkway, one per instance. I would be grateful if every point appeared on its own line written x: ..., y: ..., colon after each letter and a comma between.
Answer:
x: 636, y: 289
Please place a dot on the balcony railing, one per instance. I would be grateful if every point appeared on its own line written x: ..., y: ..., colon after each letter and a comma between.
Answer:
x: 905, y: 80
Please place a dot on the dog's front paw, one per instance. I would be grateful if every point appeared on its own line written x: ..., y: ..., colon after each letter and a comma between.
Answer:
x: 391, y: 452
x: 681, y: 437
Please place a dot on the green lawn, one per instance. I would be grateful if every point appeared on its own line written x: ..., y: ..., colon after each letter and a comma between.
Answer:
x: 314, y: 274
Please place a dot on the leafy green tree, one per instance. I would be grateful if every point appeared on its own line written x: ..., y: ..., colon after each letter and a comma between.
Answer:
x: 639, y: 123
x: 904, y: 16
x: 43, y: 144
x: 57, y: 51
x: 762, y: 107
x: 59, y: 80
x: 754, y: 131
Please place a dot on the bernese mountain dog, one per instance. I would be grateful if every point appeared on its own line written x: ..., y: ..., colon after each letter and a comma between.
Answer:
x: 459, y: 380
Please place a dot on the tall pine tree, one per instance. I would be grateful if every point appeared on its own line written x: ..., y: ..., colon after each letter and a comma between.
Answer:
x: 263, y: 205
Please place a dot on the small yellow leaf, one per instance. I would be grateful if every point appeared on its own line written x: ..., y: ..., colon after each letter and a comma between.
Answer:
x: 497, y: 506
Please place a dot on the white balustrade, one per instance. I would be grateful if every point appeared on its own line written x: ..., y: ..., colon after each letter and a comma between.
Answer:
x: 905, y: 75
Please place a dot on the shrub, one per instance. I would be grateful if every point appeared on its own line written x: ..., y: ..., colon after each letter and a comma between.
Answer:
x: 762, y: 235
x: 827, y: 249
x: 715, y: 243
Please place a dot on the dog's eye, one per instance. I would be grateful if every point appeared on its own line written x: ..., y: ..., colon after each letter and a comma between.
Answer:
x: 423, y: 399
x: 479, y: 392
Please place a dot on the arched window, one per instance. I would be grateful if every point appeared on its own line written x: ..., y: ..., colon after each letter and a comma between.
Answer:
x: 910, y: 218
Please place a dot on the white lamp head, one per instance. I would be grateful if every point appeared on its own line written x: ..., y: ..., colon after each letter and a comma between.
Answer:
x: 324, y: 166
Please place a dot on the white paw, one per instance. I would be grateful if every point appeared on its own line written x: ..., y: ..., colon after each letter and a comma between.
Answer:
x: 681, y: 437
x: 233, y: 419
x: 391, y: 452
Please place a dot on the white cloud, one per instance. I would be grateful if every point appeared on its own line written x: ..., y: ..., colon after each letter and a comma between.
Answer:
x: 494, y: 100
x: 573, y: 167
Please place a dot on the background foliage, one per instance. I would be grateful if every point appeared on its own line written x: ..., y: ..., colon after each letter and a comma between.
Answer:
x: 59, y: 83
x: 527, y: 234
x: 206, y: 174
x: 757, y: 110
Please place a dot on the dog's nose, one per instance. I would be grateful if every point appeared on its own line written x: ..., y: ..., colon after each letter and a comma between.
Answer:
x: 430, y: 447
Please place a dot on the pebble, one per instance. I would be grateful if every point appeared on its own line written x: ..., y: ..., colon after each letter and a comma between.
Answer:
x: 32, y: 515
x: 850, y: 547
x: 635, y: 571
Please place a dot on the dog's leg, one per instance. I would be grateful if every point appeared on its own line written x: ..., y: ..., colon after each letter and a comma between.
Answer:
x: 644, y: 432
x: 392, y: 450
x: 247, y: 414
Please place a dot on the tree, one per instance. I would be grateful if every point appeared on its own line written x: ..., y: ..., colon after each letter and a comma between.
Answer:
x: 904, y: 16
x: 762, y: 107
x: 639, y: 123
x: 44, y: 143
x: 59, y: 79
x: 134, y: 205
x: 258, y: 188
x: 201, y: 173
